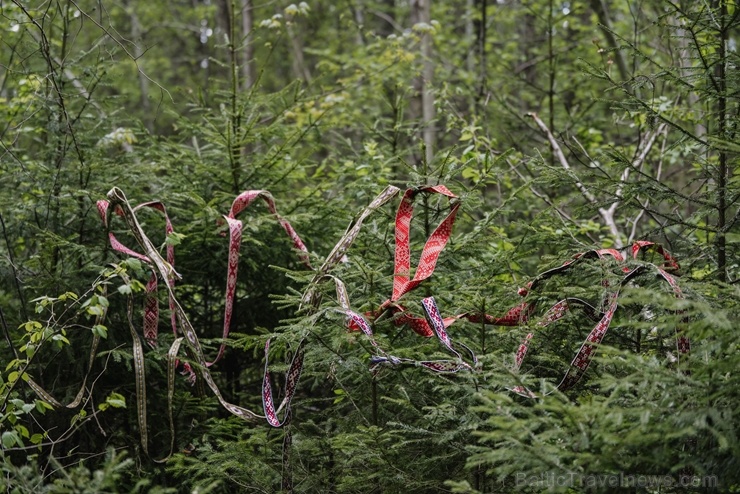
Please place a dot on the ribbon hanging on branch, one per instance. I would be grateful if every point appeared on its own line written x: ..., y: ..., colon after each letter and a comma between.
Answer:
x: 433, y: 247
x: 311, y: 299
x: 166, y: 270
x: 403, y: 283
x: 583, y: 357
x: 670, y: 264
x: 151, y: 303
x: 241, y: 202
x: 521, y: 314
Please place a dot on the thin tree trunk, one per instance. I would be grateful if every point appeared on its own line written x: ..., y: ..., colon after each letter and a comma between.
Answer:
x: 248, y: 48
x: 423, y: 14
x: 470, y: 35
x: 684, y: 64
x: 722, y: 170
x: 599, y: 6
x: 551, y: 72
x: 359, y: 14
x: 138, y: 51
x: 299, y: 65
x: 482, y: 27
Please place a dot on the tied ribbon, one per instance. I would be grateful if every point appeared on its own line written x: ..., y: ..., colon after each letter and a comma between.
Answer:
x: 402, y: 281
x: 241, y: 202
x: 164, y: 269
x: 433, y: 247
x: 432, y: 324
x: 151, y: 303
x: 291, y: 382
x: 583, y: 357
x: 435, y: 320
x: 521, y: 313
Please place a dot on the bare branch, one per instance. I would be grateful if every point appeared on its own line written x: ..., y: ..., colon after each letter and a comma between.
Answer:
x: 546, y: 198
x: 643, y: 149
x: 658, y: 173
x: 561, y: 156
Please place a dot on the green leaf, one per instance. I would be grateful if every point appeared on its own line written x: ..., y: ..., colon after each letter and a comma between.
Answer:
x: 124, y: 289
x: 68, y: 295
x: 100, y: 330
x: 42, y: 406
x: 133, y: 264
x: 95, y: 310
x: 471, y: 173
x: 79, y: 416
x: 116, y: 400
x: 174, y: 239
x: 10, y: 439
x: 32, y: 325
x: 23, y: 431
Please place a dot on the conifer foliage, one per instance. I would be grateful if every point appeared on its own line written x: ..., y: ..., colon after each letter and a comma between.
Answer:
x: 370, y: 246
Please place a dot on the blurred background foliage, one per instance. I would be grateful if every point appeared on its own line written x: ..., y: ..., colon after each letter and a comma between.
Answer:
x: 564, y: 126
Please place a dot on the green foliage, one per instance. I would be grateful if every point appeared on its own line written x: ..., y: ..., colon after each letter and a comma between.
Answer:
x: 562, y: 126
x: 115, y: 470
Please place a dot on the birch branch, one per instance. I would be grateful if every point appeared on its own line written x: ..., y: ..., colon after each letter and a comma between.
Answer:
x: 658, y: 174
x: 558, y: 151
x: 564, y: 216
x: 71, y: 77
x: 637, y: 163
x: 608, y: 214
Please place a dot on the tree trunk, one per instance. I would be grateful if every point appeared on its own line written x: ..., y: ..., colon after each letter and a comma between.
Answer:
x: 247, y: 49
x: 720, y: 74
x: 422, y: 13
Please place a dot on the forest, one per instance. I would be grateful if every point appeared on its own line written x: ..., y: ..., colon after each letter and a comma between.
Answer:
x: 369, y: 246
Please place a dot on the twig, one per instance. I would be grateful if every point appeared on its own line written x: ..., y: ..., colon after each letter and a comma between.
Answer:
x: 6, y: 333
x: 658, y: 173
x: 125, y: 50
x: 561, y: 156
x: 546, y: 198
x: 608, y: 214
x: 15, y: 270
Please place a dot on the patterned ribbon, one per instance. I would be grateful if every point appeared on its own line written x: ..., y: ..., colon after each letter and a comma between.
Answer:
x: 516, y: 316
x: 311, y: 300
x: 403, y: 283
x: 520, y: 314
x: 165, y: 270
x: 382, y: 358
x: 151, y: 303
x: 241, y: 202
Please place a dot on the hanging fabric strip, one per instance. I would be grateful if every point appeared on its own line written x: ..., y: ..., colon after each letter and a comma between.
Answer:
x: 403, y: 282
x: 312, y: 300
x: 435, y: 244
x: 151, y: 303
x: 432, y: 248
x: 166, y: 271
x: 241, y: 202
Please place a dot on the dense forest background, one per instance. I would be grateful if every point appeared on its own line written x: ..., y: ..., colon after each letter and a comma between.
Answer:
x: 562, y: 127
